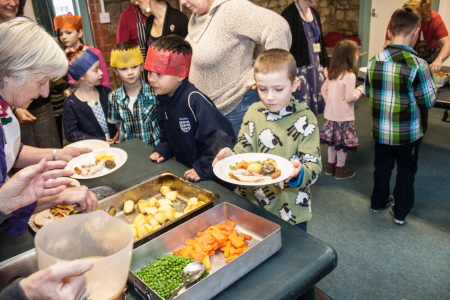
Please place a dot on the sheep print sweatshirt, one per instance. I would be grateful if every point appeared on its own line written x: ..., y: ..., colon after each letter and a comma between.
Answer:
x: 291, y: 133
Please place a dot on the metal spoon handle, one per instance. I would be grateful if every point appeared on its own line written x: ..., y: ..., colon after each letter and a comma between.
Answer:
x: 177, y: 289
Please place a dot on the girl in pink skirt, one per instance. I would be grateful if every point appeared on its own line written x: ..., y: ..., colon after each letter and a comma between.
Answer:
x: 340, y: 94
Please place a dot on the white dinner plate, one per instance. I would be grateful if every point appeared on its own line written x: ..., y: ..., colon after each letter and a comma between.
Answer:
x: 120, y: 157
x: 91, y: 144
x: 222, y: 167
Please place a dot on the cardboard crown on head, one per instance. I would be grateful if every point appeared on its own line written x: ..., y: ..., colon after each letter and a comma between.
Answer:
x: 126, y: 58
x: 68, y: 21
x: 168, y: 62
x: 81, y: 64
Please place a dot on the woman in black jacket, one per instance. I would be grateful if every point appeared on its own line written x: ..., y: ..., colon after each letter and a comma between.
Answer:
x: 164, y: 20
x: 309, y: 51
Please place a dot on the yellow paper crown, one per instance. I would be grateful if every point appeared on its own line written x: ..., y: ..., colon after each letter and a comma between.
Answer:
x: 68, y: 21
x: 126, y: 58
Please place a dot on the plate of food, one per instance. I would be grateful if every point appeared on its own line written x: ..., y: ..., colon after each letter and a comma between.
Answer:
x: 97, y: 163
x: 91, y: 144
x: 253, y: 169
x: 39, y: 220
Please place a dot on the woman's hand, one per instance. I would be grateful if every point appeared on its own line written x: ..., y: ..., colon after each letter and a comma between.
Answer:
x: 155, y: 156
x: 436, y: 65
x: 32, y: 183
x: 58, y: 282
x: 297, y: 167
x: 69, y: 153
x: 81, y: 197
x: 191, y: 175
x: 225, y: 152
x: 24, y: 116
x: 250, y: 85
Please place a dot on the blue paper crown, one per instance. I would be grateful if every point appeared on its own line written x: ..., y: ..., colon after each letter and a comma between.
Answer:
x: 80, y: 66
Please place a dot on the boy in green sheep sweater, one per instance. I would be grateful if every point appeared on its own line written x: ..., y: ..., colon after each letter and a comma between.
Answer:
x: 283, y: 126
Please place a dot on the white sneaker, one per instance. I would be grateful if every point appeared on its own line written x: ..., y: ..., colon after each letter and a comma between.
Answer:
x: 391, y: 209
x: 389, y: 203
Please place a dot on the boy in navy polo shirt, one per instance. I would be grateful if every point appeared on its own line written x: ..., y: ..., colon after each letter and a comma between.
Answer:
x: 192, y: 129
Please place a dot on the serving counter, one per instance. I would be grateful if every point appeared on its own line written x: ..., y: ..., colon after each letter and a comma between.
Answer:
x: 291, y: 272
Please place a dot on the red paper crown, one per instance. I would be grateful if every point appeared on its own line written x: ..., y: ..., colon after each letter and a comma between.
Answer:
x: 168, y: 62
x: 68, y: 21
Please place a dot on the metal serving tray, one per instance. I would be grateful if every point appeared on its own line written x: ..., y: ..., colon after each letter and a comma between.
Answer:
x: 150, y: 188
x: 22, y: 265
x: 265, y: 242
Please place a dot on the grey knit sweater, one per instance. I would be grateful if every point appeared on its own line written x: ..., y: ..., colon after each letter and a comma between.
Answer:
x: 223, y: 41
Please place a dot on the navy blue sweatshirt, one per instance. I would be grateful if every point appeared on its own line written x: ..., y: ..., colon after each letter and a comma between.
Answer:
x: 192, y: 129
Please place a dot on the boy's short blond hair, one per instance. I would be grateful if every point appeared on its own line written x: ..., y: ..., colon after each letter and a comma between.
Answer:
x: 276, y: 60
x: 404, y: 21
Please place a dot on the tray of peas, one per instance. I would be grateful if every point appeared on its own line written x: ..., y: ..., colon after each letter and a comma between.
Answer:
x: 155, y: 271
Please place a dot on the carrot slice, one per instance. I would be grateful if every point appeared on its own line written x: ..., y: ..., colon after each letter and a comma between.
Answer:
x: 218, y: 236
x: 237, y: 242
x: 230, y: 223
x: 199, y: 256
x: 227, y: 249
x: 190, y: 242
x: 178, y: 250
x: 206, y: 261
x: 246, y: 236
x: 231, y: 258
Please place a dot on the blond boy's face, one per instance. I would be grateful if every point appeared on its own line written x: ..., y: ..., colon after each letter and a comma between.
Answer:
x: 275, y: 89
x: 129, y: 75
x: 164, y: 84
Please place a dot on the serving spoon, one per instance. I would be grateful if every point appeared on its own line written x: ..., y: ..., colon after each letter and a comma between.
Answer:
x: 189, y: 274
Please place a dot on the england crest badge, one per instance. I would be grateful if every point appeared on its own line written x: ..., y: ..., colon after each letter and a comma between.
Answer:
x: 185, y: 125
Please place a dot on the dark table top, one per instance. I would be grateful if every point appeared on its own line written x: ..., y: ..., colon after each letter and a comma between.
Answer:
x: 302, y: 261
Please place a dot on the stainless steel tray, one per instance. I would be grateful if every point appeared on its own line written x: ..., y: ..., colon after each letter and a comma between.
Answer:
x: 265, y: 242
x: 150, y: 188
x: 22, y: 265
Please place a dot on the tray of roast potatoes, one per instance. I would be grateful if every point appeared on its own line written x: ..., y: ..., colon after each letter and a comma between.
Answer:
x: 158, y: 204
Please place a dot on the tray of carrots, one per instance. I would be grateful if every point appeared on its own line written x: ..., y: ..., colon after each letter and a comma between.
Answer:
x: 230, y: 241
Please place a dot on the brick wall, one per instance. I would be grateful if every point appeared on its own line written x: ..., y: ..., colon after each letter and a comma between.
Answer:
x: 102, y: 40
x: 336, y: 15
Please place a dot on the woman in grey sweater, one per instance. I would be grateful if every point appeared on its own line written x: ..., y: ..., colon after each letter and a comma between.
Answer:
x: 223, y: 35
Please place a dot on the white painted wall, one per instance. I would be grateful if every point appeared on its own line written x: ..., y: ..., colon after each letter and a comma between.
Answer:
x: 444, y: 11
x: 28, y: 11
x: 384, y: 10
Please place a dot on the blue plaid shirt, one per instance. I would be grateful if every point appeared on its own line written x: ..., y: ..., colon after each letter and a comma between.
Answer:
x: 399, y: 86
x: 142, y: 122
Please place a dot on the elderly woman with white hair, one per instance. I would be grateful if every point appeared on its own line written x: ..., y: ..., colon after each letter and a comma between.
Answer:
x: 26, y: 67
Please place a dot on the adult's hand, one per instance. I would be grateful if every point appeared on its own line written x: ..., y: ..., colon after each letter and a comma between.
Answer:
x: 69, y: 153
x: 250, y: 85
x: 58, y: 282
x: 225, y: 152
x: 32, y: 183
x: 83, y: 199
x: 24, y: 116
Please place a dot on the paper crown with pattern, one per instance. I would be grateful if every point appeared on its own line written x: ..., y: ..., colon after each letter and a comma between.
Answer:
x: 168, y: 62
x: 126, y: 58
x: 81, y: 64
x: 68, y: 21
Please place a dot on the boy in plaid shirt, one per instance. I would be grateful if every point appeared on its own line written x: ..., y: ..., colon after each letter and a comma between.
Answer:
x: 132, y: 107
x: 399, y: 85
